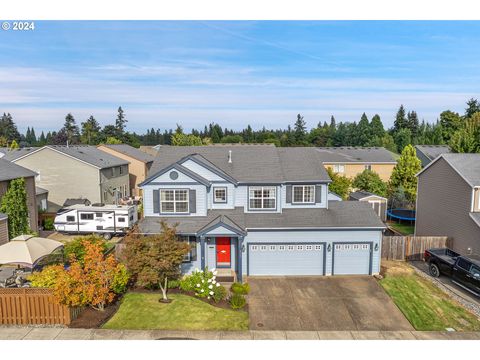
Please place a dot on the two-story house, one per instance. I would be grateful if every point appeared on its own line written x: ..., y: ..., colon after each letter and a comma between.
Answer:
x: 448, y: 201
x: 259, y: 210
x: 74, y: 172
x: 350, y: 161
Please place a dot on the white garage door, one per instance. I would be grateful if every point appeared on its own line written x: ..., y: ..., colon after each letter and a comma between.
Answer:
x: 286, y: 259
x: 352, y: 259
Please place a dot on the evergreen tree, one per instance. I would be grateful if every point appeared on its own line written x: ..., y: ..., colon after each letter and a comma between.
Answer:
x: 376, y: 127
x: 300, y: 131
x: 248, y: 134
x: 402, y: 138
x: 451, y: 122
x: 467, y: 139
x: 90, y: 131
x: 363, y: 131
x: 404, y: 174
x: 14, y: 204
x: 70, y: 129
x: 42, y: 139
x: 120, y: 122
x: 412, y: 123
x: 8, y: 129
x: 473, y: 106
x: 400, y: 120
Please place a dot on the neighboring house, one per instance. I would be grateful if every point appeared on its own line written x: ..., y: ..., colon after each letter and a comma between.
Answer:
x: 378, y: 203
x: 448, y: 201
x: 259, y: 210
x: 140, y: 163
x: 427, y: 153
x: 150, y: 150
x: 351, y: 161
x: 42, y: 198
x: 10, y: 171
x: 3, y: 229
x: 75, y: 171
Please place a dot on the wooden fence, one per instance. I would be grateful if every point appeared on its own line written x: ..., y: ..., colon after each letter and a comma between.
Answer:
x: 410, y: 247
x: 29, y: 306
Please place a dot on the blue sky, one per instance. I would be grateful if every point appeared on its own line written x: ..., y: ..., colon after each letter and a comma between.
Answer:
x: 235, y: 73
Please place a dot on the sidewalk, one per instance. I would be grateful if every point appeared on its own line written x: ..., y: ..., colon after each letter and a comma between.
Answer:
x: 29, y: 333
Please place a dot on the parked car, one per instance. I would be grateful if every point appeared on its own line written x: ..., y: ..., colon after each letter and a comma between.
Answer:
x: 464, y: 271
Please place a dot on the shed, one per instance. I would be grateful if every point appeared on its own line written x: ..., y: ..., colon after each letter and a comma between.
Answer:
x: 378, y: 203
x: 3, y: 229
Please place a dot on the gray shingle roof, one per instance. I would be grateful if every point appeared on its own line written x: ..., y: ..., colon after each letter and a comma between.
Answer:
x: 340, y: 214
x: 10, y: 171
x: 132, y: 152
x: 432, y: 151
x: 251, y: 163
x: 467, y: 165
x: 14, y: 154
x: 352, y: 154
x: 358, y: 195
x: 3, y: 216
x: 40, y: 191
x: 90, y: 155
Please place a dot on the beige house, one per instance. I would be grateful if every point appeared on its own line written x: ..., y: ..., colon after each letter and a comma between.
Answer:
x: 448, y: 201
x: 351, y: 161
x: 140, y: 163
x: 75, y: 172
x: 10, y: 171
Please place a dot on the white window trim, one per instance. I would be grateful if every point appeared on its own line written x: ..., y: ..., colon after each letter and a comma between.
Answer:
x: 175, y: 202
x: 336, y: 168
x: 220, y: 201
x: 261, y: 188
x: 368, y: 167
x: 303, y: 194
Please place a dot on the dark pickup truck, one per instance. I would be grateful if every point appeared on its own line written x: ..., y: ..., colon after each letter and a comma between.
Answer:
x: 464, y: 270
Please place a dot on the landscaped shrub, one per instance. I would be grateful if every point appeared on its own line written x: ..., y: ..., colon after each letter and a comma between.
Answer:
x: 237, y: 301
x: 173, y: 284
x: 76, y: 247
x: 120, y: 279
x: 203, y: 284
x: 242, y: 289
x: 45, y: 278
x: 48, y: 224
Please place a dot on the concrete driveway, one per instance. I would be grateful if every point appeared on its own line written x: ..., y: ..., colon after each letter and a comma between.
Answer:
x: 322, y: 303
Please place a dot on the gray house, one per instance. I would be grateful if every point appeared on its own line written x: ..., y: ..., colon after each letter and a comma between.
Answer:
x: 448, y: 201
x: 75, y: 171
x: 259, y: 210
x: 427, y: 153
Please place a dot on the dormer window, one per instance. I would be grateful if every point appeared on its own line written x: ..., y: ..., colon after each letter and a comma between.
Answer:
x: 220, y: 195
x: 303, y: 194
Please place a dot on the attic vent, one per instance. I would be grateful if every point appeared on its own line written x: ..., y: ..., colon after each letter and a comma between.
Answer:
x: 229, y: 156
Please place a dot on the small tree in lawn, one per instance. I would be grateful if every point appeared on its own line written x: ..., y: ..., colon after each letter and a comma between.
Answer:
x: 152, y: 260
x: 370, y: 181
x: 14, y: 204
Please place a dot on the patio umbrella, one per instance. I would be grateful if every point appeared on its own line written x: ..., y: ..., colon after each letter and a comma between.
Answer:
x: 27, y: 250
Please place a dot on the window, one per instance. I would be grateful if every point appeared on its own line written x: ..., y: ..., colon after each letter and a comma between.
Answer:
x: 85, y: 216
x: 368, y: 167
x: 192, y: 254
x: 262, y: 197
x: 365, y: 246
x: 70, y: 218
x: 254, y: 247
x: 98, y: 214
x: 281, y: 247
x: 475, y: 271
x: 304, y: 194
x: 273, y: 248
x: 300, y: 247
x: 263, y: 247
x: 464, y: 264
x: 308, y: 247
x: 339, y: 168
x: 318, y: 247
x: 174, y: 201
x: 121, y: 219
x: 220, y: 195
x: 291, y: 247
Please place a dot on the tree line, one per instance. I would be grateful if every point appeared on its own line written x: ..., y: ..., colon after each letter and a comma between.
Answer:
x: 460, y: 132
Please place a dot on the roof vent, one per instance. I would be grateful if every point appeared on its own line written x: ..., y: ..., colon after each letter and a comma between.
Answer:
x: 229, y: 156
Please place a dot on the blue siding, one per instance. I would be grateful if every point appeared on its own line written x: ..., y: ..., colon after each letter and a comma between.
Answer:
x: 188, y: 268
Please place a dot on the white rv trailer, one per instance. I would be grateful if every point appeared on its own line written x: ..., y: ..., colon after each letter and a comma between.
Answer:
x: 107, y: 220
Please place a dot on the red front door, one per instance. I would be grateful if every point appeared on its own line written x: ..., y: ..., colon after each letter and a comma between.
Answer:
x: 223, y: 251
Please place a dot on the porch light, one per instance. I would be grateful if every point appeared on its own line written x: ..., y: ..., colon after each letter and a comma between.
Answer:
x: 376, y: 247
x: 329, y: 247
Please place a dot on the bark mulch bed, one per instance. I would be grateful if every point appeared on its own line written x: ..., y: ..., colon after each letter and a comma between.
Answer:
x: 90, y: 318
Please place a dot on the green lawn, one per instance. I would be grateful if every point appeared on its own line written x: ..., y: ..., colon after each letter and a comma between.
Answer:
x: 426, y: 306
x: 404, y: 229
x: 143, y: 311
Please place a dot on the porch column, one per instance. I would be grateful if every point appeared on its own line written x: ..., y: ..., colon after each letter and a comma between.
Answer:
x: 202, y: 252
x: 239, y: 261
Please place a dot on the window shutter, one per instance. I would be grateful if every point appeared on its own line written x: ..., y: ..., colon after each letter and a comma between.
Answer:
x: 289, y: 194
x: 156, y: 201
x: 193, y: 201
x: 318, y: 193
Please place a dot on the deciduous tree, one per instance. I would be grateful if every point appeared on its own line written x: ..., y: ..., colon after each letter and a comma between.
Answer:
x: 340, y: 184
x: 370, y: 181
x: 403, y: 174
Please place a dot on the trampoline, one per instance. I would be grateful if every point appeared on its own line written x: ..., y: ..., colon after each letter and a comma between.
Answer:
x: 401, y: 214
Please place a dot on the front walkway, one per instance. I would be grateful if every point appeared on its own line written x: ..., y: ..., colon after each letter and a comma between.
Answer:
x: 29, y: 333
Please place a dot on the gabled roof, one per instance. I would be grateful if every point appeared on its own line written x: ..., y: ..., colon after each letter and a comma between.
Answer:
x: 14, y: 154
x: 222, y: 221
x: 250, y: 163
x: 131, y: 151
x: 84, y: 153
x: 180, y: 168
x: 356, y: 154
x: 430, y: 152
x: 466, y: 165
x: 10, y: 171
x: 40, y: 191
x: 359, y: 195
